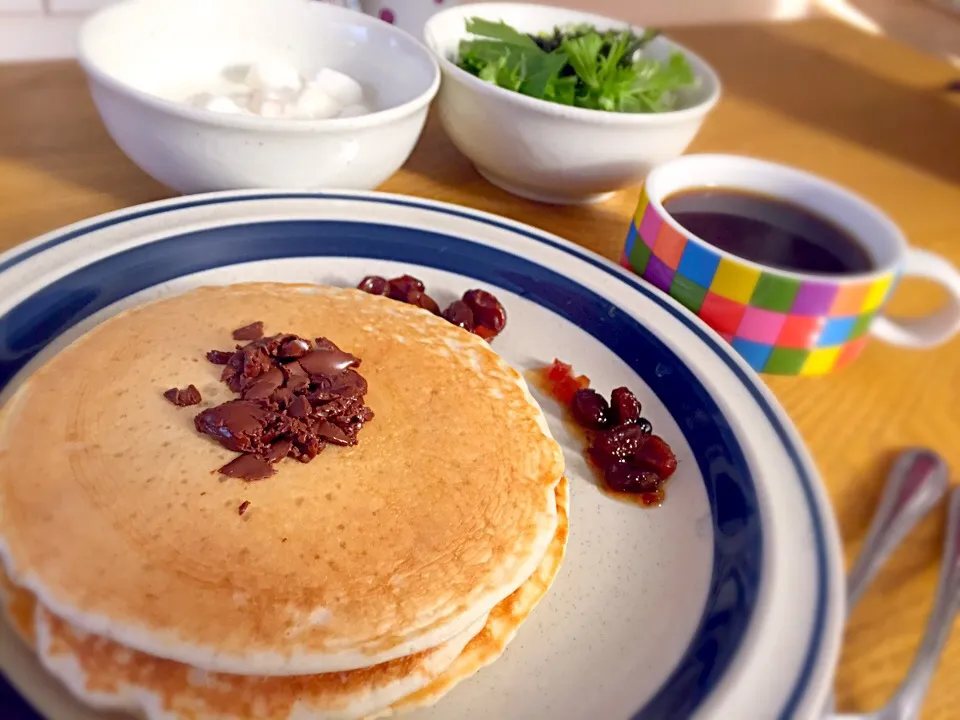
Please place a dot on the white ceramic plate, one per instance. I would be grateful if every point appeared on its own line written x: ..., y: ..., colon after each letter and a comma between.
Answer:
x: 726, y: 602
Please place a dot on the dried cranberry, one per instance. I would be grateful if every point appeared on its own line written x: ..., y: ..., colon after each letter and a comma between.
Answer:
x: 626, y: 407
x: 655, y: 455
x: 460, y: 314
x: 487, y: 310
x: 402, y: 286
x: 422, y: 300
x: 557, y: 371
x: 622, y: 442
x: 621, y: 476
x: 562, y: 382
x: 590, y: 409
x: 374, y: 284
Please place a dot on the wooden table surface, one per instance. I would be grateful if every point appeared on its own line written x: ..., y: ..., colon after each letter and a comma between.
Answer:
x: 860, y: 110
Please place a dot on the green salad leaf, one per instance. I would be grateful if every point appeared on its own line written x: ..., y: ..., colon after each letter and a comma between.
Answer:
x: 578, y: 66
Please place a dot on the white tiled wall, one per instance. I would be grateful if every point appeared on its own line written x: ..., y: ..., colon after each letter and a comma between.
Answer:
x: 58, y: 7
x: 15, y: 7
x: 40, y: 29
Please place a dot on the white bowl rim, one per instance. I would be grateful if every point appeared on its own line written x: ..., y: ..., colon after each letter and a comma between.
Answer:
x: 258, y: 122
x: 709, y: 75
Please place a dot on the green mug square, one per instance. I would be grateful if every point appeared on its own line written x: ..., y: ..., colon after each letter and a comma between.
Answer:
x: 774, y: 292
x: 786, y: 361
x: 689, y: 293
x: 861, y: 326
x: 639, y: 256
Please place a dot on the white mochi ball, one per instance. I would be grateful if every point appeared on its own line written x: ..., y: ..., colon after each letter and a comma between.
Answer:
x: 273, y: 75
x: 314, y: 104
x: 341, y: 87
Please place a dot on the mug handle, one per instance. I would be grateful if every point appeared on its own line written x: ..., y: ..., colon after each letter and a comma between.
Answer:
x: 928, y: 330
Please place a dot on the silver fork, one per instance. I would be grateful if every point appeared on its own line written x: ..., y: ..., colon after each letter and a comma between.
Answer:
x: 916, y: 483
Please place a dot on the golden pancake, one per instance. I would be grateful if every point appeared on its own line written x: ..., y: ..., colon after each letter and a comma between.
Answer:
x: 108, y: 675
x: 502, y: 624
x: 112, y: 513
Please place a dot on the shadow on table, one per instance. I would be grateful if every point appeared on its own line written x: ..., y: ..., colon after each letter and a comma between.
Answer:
x: 770, y: 67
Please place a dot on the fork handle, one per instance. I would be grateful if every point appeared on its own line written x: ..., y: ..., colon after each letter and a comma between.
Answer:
x: 910, y: 695
x: 917, y: 481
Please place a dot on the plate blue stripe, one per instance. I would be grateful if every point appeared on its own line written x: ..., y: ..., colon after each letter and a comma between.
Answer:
x: 74, y: 297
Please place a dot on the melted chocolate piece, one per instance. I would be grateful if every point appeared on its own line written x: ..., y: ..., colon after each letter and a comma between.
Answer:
x: 296, y: 397
x: 279, y: 450
x: 297, y: 377
x: 182, y: 398
x: 299, y: 407
x: 253, y: 331
x: 308, y: 449
x: 329, y: 361
x: 281, y: 398
x: 241, y: 425
x: 248, y: 467
x: 293, y: 347
x: 219, y: 357
x: 243, y: 507
x: 349, y: 383
x: 265, y: 385
x: 330, y: 432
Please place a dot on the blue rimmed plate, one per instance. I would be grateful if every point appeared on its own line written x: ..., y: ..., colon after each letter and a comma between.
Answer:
x: 726, y: 602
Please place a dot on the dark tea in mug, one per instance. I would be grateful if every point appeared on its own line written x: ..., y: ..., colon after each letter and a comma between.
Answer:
x: 768, y: 231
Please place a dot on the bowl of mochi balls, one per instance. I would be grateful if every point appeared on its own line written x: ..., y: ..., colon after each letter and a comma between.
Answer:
x: 207, y: 95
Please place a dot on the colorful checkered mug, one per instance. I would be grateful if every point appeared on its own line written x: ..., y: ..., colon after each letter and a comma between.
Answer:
x: 780, y: 321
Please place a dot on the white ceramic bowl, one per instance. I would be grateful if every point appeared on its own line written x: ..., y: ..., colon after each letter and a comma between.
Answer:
x: 550, y: 152
x: 143, y: 57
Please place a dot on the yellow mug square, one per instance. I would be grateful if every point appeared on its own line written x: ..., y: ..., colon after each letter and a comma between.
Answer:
x: 821, y: 361
x: 734, y: 281
x: 641, y: 206
x: 877, y: 293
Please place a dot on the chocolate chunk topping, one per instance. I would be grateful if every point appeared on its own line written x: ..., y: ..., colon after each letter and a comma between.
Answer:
x: 253, y: 331
x: 293, y: 347
x: 182, y: 398
x: 243, y: 507
x: 295, y: 398
x: 248, y: 467
x: 299, y: 407
x: 328, y: 360
x: 241, y: 425
x: 328, y: 431
x: 279, y: 450
x: 219, y: 357
x: 265, y: 385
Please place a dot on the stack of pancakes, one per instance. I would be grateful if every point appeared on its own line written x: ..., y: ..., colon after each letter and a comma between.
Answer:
x: 369, y: 581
